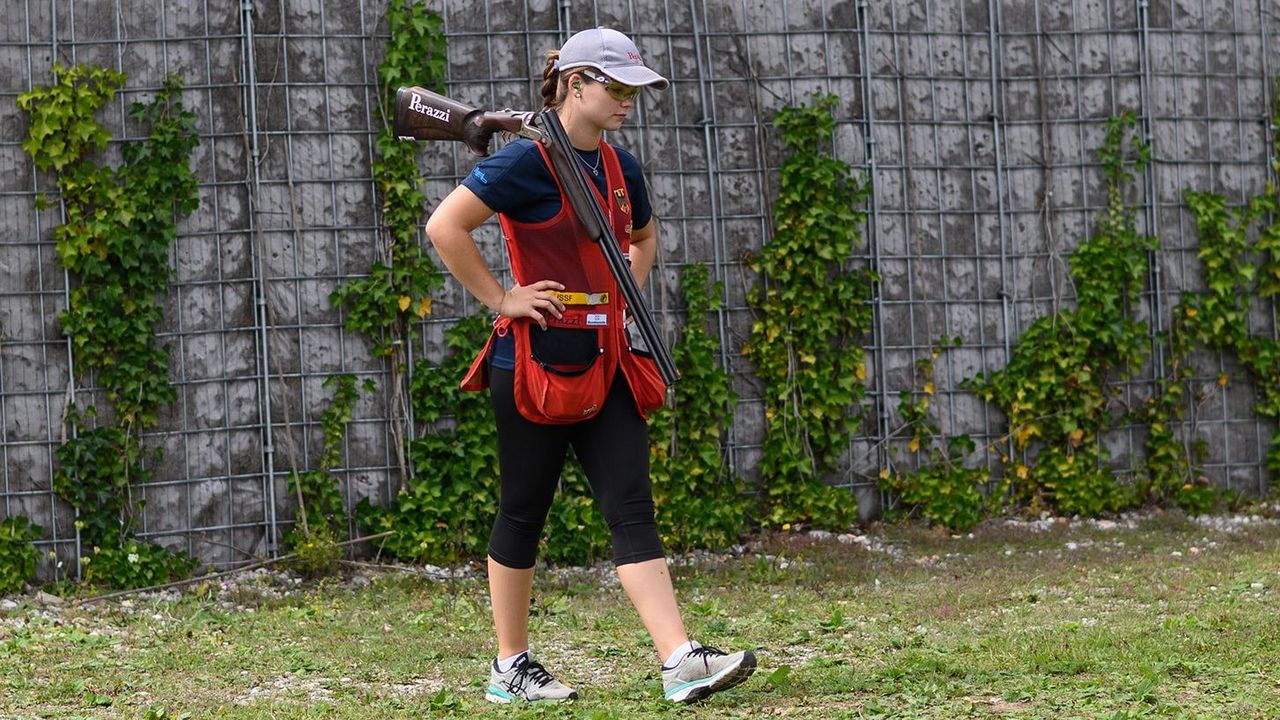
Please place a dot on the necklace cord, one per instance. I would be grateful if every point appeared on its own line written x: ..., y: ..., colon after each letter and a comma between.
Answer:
x: 594, y: 168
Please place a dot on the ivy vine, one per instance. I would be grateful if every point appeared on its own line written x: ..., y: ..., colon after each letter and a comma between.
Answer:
x: 321, y: 520
x: 812, y: 309
x: 398, y: 286
x: 1058, y: 387
x: 699, y: 501
x: 1239, y: 252
x: 385, y: 304
x: 944, y: 490
x: 120, y: 225
x: 18, y: 554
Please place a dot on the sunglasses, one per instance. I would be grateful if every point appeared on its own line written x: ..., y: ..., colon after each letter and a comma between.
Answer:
x: 617, y: 90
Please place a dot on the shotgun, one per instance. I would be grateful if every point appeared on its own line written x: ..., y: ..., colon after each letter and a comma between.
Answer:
x: 424, y: 115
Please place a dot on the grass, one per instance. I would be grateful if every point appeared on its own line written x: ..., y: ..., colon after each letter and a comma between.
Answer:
x: 1164, y: 619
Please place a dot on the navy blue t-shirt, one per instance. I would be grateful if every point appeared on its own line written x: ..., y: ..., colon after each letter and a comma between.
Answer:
x: 516, y: 182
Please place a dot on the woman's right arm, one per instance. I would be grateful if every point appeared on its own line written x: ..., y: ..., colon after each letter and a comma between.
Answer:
x: 450, y: 227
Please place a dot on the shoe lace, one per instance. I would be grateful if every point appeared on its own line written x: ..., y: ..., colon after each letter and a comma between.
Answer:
x: 529, y: 671
x: 705, y: 653
x: 538, y: 674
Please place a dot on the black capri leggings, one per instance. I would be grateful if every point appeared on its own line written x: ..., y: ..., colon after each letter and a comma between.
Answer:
x: 613, y: 448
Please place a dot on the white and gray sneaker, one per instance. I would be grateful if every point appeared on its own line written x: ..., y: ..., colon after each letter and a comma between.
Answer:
x: 526, y: 680
x: 706, y: 670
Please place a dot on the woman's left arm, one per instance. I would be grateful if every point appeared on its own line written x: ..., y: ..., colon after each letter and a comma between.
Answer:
x: 644, y: 246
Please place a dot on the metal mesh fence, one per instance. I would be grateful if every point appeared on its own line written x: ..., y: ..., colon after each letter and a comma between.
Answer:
x: 976, y: 124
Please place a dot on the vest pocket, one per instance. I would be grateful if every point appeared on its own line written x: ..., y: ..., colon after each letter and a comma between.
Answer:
x: 559, y: 376
x: 647, y: 386
x: 565, y: 351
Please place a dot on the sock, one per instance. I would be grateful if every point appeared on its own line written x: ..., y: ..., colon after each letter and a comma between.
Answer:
x: 505, y: 664
x: 680, y: 653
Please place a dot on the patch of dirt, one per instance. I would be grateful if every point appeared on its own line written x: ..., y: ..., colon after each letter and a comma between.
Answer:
x: 997, y: 705
x: 321, y: 688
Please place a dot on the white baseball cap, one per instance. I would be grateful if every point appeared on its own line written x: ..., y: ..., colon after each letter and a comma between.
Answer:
x: 613, y: 54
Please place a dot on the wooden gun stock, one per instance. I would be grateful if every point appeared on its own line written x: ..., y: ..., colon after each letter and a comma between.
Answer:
x: 425, y: 115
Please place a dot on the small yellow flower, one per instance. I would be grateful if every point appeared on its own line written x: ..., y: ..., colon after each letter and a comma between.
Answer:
x: 424, y: 307
x: 884, y: 473
x: 862, y: 371
x: 786, y: 526
x: 1192, y: 312
x: 1021, y: 471
x: 404, y: 302
x: 1223, y: 379
x: 928, y: 388
x: 914, y: 445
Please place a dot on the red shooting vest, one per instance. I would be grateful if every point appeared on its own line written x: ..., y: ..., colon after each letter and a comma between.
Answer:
x: 559, y: 249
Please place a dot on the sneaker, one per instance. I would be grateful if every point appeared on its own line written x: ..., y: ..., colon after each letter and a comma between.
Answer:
x: 706, y: 670
x: 526, y: 680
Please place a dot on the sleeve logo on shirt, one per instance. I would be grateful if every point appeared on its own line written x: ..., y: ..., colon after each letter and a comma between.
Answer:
x: 621, y: 195
x: 480, y: 175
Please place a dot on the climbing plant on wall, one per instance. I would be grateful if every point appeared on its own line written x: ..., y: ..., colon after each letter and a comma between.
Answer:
x: 698, y: 498
x: 1058, y: 386
x: 811, y: 310
x: 384, y: 304
x: 321, y: 519
x: 1239, y: 253
x: 18, y: 554
x: 115, y: 242
x: 940, y: 486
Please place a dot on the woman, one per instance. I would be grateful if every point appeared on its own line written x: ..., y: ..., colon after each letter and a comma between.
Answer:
x: 560, y: 370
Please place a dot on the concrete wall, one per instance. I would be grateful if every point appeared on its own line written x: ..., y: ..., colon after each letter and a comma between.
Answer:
x: 978, y: 129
